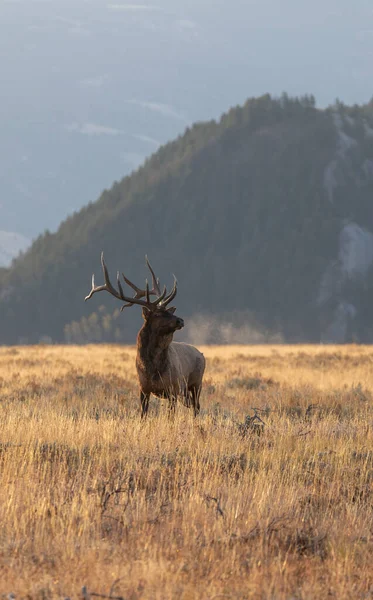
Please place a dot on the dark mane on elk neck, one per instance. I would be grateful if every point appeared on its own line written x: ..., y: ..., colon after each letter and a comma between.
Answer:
x: 152, y: 350
x: 165, y: 368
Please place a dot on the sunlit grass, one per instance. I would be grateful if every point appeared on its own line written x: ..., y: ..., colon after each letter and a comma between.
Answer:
x: 207, y: 508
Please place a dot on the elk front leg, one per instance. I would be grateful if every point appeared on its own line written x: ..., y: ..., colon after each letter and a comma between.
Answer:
x: 195, y: 392
x: 144, y: 400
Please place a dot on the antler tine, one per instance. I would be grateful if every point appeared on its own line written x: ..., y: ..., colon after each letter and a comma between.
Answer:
x: 159, y: 300
x: 108, y: 285
x: 155, y: 281
x: 133, y: 286
x: 119, y: 284
x: 121, y: 292
x: 92, y: 290
x: 147, y: 293
x: 172, y: 294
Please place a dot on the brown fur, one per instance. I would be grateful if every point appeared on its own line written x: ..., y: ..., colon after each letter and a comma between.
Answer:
x: 165, y: 368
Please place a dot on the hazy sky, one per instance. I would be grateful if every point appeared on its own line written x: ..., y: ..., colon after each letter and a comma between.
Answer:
x: 90, y: 88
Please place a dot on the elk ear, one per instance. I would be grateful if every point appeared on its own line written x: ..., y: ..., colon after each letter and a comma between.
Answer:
x: 145, y: 313
x: 172, y: 309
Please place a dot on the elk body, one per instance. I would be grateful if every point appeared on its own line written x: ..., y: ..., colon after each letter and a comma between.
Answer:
x: 165, y: 368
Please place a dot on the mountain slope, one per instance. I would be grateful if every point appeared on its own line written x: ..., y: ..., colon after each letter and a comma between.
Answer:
x: 266, y: 212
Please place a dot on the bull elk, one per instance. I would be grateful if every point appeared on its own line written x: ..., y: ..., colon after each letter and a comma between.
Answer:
x: 165, y: 368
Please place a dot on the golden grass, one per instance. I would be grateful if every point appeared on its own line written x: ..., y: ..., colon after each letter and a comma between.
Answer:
x: 186, y: 509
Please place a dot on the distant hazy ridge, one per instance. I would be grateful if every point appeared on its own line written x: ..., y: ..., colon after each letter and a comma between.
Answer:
x: 11, y: 244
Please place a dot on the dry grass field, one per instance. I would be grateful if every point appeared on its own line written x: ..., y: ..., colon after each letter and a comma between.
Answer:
x: 279, y: 506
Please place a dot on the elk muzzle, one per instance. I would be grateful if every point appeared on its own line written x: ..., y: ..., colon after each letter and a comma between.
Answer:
x: 179, y: 323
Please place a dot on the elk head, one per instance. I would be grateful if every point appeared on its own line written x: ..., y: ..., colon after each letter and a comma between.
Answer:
x: 156, y: 313
x: 162, y: 320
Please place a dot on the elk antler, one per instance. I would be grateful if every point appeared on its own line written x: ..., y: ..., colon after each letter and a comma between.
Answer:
x: 156, y: 290
x: 160, y: 302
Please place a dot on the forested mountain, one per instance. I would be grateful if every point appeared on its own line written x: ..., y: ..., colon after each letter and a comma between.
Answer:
x: 265, y: 217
